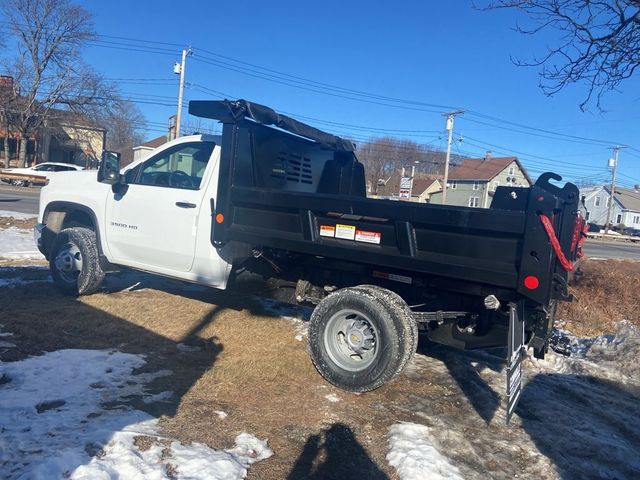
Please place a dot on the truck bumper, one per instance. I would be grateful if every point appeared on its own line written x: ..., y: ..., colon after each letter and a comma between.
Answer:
x: 37, y: 236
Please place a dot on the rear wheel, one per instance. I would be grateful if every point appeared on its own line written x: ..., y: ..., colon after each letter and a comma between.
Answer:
x: 74, y: 262
x: 361, y: 337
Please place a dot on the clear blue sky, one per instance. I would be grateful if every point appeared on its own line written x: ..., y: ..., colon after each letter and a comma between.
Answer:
x: 442, y: 53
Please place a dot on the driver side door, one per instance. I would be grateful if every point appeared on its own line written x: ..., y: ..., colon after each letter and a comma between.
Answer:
x: 153, y: 224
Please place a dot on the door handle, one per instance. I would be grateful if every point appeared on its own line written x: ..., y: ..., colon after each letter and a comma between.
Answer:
x: 185, y: 205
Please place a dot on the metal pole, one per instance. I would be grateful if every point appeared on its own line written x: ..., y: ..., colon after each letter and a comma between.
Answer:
x: 616, y: 150
x: 449, y: 127
x: 180, y: 91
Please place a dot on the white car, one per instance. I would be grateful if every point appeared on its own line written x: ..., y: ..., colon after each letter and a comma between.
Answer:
x: 44, y: 170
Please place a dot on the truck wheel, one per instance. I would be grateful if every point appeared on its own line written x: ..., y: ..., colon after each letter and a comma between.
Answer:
x: 361, y: 337
x: 74, y: 262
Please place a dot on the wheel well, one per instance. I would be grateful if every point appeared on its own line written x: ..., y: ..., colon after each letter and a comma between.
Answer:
x: 78, y: 218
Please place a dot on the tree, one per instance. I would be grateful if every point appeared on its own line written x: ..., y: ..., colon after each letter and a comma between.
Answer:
x: 125, y: 125
x: 48, y: 70
x: 384, y: 156
x: 599, y: 42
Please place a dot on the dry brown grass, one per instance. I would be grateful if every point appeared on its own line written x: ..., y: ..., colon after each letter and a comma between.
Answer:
x: 7, y: 222
x: 608, y: 292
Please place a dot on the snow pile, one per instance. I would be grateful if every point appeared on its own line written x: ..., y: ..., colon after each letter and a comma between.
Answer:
x: 17, y: 215
x: 18, y: 243
x: 55, y: 424
x: 613, y: 356
x: 412, y: 454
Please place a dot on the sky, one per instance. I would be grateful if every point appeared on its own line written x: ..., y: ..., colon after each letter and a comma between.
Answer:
x: 329, y: 63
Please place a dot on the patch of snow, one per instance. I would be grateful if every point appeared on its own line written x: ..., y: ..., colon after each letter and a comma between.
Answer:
x: 611, y: 356
x: 299, y: 316
x: 54, y: 424
x: 333, y: 398
x: 221, y: 415
x: 19, y: 282
x: 18, y: 215
x: 183, y: 347
x: 18, y: 243
x: 413, y: 455
x: 158, y: 397
x: 4, y: 344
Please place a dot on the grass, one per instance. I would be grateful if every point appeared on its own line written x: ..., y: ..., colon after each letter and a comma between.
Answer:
x: 608, y: 292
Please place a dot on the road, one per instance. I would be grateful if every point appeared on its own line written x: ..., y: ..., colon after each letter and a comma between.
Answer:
x: 25, y: 200
x: 609, y: 249
x: 19, y: 199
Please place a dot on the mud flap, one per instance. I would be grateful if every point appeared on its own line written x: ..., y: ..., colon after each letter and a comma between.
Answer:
x: 515, y: 355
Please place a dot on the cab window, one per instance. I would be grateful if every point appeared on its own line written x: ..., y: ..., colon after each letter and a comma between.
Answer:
x: 181, y: 166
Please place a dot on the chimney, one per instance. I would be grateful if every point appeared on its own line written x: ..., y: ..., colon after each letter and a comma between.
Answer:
x: 6, y: 82
x: 487, y: 156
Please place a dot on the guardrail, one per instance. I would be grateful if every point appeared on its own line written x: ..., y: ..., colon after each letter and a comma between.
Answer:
x: 615, y: 238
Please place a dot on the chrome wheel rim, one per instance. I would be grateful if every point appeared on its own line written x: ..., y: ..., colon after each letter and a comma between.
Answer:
x: 351, y: 340
x: 68, y: 263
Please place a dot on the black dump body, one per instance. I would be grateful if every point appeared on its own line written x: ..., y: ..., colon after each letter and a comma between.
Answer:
x: 296, y: 188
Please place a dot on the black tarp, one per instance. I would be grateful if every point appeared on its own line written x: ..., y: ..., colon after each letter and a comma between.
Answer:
x: 237, y: 110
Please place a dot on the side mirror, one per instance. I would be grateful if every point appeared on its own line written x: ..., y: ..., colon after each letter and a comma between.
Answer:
x: 109, y: 170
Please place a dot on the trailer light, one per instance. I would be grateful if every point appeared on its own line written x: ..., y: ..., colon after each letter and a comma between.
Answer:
x: 219, y: 218
x: 531, y: 282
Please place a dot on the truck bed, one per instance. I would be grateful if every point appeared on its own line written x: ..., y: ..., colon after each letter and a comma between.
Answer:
x: 268, y: 196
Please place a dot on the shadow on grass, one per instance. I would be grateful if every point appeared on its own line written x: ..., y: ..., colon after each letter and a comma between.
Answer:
x: 588, y: 427
x: 335, y: 454
x: 464, y: 368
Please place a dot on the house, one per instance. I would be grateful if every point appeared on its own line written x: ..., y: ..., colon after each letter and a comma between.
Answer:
x: 626, y: 205
x: 143, y: 149
x: 473, y: 182
x: 65, y: 136
x: 422, y: 187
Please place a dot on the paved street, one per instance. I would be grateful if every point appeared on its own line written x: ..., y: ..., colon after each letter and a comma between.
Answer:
x: 608, y: 249
x: 19, y: 199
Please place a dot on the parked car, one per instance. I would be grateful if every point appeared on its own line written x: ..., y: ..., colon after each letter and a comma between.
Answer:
x: 45, y: 170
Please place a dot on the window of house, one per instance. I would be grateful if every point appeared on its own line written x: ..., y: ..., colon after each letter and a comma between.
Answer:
x: 596, y: 202
x: 619, y: 218
x: 496, y: 184
x: 636, y: 219
x: 512, y: 170
x: 476, y: 185
x: 474, y: 201
x: 586, y: 216
x: 608, y: 202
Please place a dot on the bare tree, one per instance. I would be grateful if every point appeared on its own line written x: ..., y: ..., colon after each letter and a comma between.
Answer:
x: 599, y: 42
x: 48, y: 70
x: 384, y: 156
x: 125, y: 125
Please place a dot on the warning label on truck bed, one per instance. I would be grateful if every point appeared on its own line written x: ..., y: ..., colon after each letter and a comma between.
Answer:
x: 346, y: 232
x: 327, y: 231
x: 368, y: 237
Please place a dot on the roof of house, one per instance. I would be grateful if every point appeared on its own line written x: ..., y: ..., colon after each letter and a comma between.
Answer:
x: 421, y: 181
x: 155, y: 143
x: 484, y: 168
x: 629, y: 198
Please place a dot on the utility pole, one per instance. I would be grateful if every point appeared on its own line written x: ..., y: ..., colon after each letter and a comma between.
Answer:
x: 616, y: 150
x: 178, y: 68
x: 449, y: 127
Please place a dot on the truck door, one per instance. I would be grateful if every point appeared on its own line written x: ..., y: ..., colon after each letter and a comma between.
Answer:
x: 153, y: 223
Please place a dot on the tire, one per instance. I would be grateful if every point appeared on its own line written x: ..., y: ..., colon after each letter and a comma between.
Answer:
x: 361, y: 337
x: 74, y: 262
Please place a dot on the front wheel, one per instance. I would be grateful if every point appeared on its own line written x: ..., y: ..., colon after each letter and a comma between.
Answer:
x: 361, y: 337
x: 74, y: 261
